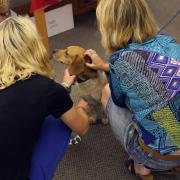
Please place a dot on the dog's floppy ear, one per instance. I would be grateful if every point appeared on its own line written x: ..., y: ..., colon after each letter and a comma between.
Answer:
x: 87, y: 59
x: 77, y: 66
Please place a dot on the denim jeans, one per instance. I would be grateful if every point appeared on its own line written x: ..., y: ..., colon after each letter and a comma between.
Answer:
x: 123, y: 128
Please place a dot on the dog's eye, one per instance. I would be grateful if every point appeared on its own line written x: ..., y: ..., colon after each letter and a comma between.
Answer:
x: 66, y: 52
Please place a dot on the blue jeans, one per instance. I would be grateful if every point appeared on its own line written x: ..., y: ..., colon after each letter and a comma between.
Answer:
x: 49, y: 149
x: 123, y: 127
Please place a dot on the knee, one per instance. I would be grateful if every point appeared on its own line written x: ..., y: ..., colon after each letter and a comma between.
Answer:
x: 105, y: 95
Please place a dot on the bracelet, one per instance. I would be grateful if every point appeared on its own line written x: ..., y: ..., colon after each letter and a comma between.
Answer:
x: 67, y: 86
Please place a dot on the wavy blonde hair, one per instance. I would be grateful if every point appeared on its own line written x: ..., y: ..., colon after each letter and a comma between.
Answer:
x: 22, y: 52
x: 124, y: 21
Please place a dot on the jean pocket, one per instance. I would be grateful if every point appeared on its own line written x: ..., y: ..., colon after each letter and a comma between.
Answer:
x: 137, y: 153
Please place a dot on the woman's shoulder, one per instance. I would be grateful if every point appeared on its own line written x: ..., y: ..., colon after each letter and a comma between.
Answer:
x: 39, y: 82
x: 161, y: 44
x: 169, y: 45
x: 50, y: 87
x: 165, y: 38
x: 37, y: 78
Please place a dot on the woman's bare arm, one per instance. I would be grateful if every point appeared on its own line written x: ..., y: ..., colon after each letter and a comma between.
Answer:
x: 77, y: 118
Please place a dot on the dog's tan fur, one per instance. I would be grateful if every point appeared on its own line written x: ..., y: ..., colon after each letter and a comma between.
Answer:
x: 66, y: 56
x: 91, y: 88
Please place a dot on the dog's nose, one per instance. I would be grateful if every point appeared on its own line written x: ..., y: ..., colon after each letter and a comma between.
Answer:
x: 55, y: 50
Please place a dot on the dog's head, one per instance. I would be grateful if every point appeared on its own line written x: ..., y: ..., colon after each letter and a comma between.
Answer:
x: 75, y: 58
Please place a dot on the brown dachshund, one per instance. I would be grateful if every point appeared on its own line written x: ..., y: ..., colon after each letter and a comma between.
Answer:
x: 90, y: 82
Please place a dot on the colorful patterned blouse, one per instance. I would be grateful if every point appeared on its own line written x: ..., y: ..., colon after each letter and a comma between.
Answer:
x: 146, y: 79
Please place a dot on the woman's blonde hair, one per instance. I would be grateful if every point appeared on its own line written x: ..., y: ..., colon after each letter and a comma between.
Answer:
x: 22, y: 52
x: 124, y: 21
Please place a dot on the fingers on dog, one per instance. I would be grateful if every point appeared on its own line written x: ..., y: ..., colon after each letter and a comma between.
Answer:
x: 90, y: 52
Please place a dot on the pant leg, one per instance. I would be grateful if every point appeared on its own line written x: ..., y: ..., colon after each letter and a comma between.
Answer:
x: 120, y: 120
x: 49, y: 149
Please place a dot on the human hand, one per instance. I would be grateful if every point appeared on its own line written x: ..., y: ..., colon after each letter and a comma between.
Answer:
x: 84, y: 105
x: 97, y: 62
x: 68, y: 79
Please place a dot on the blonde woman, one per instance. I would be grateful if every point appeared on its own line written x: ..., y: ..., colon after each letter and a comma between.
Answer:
x: 143, y: 102
x: 28, y: 94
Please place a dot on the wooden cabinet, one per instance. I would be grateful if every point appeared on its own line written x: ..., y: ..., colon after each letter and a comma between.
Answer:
x: 82, y: 6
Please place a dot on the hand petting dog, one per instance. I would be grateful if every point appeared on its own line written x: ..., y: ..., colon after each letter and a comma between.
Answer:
x: 97, y: 62
x: 68, y: 79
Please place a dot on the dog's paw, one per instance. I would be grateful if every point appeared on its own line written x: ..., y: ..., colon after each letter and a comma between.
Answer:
x: 75, y: 140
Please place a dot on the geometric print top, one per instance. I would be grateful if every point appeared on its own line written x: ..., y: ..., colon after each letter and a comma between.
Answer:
x: 148, y: 83
x: 168, y: 71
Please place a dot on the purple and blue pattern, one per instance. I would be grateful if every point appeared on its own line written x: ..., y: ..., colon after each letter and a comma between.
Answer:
x: 168, y: 71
